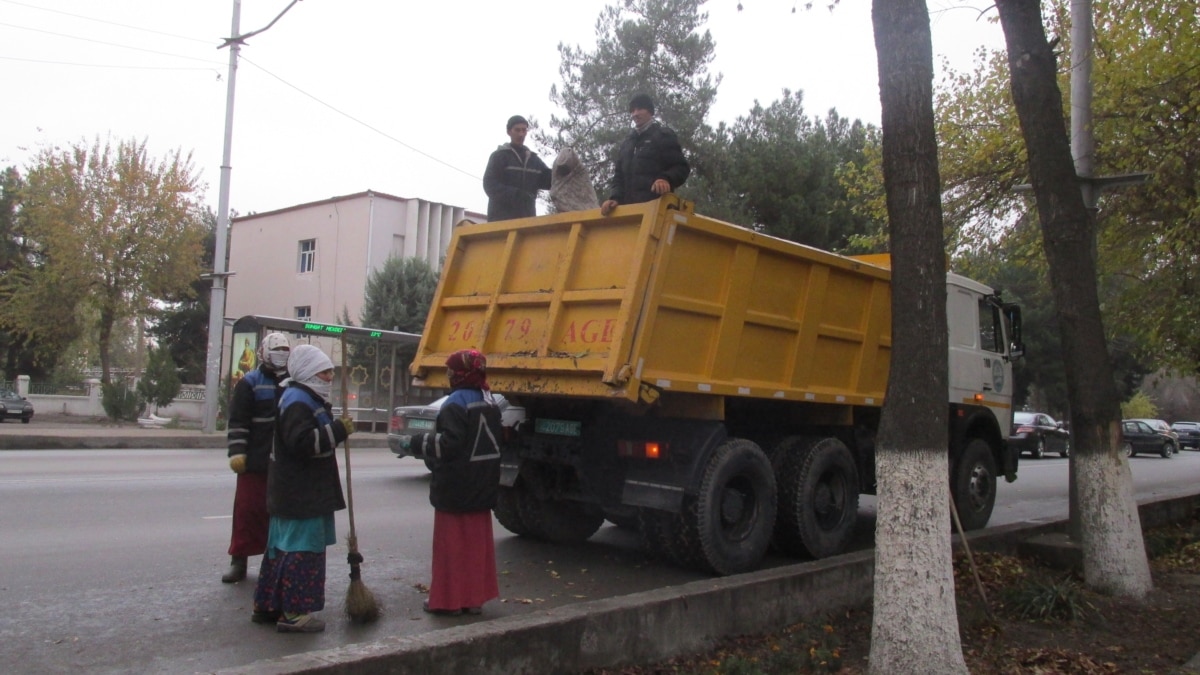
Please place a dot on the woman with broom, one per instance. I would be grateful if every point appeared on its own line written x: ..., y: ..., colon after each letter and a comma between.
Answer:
x: 465, y: 453
x: 303, y: 492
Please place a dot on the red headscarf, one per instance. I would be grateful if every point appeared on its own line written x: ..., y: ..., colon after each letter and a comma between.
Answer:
x: 467, y: 370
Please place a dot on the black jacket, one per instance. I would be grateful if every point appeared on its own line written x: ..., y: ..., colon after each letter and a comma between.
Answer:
x: 512, y: 183
x: 303, y: 481
x: 252, y: 417
x: 644, y: 158
x: 464, y: 453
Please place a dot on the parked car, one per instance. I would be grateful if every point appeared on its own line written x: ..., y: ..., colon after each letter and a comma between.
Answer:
x: 412, y: 419
x: 1189, y: 434
x: 1163, y: 428
x: 1137, y: 436
x: 1038, y: 433
x: 15, y: 406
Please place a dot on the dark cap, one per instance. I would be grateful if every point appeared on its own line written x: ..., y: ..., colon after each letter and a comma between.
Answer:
x: 642, y: 101
x: 514, y: 121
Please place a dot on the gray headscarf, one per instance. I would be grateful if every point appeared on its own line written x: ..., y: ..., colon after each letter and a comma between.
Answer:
x: 303, y: 365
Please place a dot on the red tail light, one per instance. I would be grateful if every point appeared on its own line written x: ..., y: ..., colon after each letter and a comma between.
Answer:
x: 1025, y: 429
x: 396, y: 423
x: 642, y: 449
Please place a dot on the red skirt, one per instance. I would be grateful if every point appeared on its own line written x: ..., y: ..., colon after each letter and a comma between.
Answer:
x: 464, y: 560
x: 250, y: 517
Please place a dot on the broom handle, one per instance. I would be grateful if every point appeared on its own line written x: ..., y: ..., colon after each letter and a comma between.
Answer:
x: 346, y: 443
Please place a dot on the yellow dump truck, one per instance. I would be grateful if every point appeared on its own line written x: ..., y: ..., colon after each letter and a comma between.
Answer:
x: 714, y: 387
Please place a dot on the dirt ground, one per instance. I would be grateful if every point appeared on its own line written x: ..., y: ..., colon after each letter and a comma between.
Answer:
x: 1042, y: 621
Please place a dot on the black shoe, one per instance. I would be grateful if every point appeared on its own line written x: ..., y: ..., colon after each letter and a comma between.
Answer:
x: 259, y: 616
x: 237, y: 570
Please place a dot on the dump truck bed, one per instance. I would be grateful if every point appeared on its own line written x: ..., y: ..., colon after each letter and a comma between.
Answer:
x: 656, y: 300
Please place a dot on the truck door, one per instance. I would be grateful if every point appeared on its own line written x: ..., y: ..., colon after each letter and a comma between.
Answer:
x: 977, y: 364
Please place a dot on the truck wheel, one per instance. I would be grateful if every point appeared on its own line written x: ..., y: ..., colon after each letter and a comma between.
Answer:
x: 974, y: 485
x: 558, y: 520
x: 734, y: 512
x: 818, y: 500
x: 508, y: 509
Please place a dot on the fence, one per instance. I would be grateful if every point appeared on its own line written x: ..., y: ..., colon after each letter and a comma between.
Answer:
x: 83, y: 400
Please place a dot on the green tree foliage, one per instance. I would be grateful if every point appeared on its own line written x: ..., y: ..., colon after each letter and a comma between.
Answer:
x: 160, y: 383
x: 121, y: 403
x: 183, y: 324
x: 1146, y: 118
x: 642, y: 46
x: 398, y: 297
x: 1139, y: 406
x: 114, y: 229
x: 781, y: 168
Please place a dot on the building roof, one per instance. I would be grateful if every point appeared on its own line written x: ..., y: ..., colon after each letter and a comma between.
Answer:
x: 343, y: 198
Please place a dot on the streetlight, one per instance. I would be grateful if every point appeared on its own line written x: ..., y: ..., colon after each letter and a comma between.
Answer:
x: 216, y: 310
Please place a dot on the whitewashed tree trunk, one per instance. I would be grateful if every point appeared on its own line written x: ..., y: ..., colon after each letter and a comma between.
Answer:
x: 915, y: 622
x: 1114, y: 556
x: 1114, y: 553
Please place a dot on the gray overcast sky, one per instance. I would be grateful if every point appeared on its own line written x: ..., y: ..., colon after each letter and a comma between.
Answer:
x: 398, y: 96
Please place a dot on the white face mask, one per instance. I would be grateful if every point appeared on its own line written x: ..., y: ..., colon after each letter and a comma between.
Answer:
x: 320, y: 387
x: 278, y: 359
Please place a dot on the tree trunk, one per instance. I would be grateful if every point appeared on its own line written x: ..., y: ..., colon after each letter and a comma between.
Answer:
x: 915, y: 623
x: 1114, y: 556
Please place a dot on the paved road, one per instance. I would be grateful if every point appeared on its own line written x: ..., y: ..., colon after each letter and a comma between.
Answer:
x: 109, y: 559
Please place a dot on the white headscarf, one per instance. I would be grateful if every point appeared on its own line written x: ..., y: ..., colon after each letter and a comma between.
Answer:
x: 303, y: 365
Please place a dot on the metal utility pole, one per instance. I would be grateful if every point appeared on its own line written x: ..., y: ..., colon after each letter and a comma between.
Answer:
x: 1083, y: 151
x: 216, y: 311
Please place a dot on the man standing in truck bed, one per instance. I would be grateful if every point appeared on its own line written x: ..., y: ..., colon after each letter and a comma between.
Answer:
x: 514, y: 175
x: 650, y: 162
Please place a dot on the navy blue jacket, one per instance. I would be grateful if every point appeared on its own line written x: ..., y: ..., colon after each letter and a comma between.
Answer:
x: 464, y: 453
x: 252, y: 417
x: 303, y: 481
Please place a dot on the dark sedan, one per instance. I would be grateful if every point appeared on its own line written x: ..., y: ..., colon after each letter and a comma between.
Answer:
x: 1038, y: 433
x: 1137, y: 436
x: 1189, y: 434
x: 15, y: 406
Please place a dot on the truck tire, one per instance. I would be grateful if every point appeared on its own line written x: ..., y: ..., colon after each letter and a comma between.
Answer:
x: 558, y: 520
x: 508, y: 509
x: 818, y: 499
x: 974, y: 484
x: 734, y: 511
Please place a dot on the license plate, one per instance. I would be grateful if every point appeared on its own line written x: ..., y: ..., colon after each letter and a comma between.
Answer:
x: 420, y: 424
x: 558, y: 427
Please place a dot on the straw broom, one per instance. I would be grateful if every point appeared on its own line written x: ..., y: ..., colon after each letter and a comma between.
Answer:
x: 361, y: 605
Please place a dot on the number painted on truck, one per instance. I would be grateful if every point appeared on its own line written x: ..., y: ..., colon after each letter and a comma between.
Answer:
x: 461, y: 331
x: 517, y: 329
x: 590, y: 331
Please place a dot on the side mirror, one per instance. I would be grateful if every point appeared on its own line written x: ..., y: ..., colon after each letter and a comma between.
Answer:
x: 1016, y: 346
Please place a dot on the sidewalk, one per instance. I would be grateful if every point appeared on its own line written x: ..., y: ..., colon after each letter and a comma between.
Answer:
x: 60, y: 432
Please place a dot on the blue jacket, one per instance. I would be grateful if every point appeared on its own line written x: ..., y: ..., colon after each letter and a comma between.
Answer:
x: 303, y: 481
x: 252, y: 417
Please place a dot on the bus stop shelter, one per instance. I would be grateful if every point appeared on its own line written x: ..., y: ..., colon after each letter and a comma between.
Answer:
x: 376, y: 363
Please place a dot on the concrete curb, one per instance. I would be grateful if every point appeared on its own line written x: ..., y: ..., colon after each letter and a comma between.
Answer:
x: 654, y: 625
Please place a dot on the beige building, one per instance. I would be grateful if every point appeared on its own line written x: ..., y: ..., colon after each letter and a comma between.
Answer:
x: 312, y: 261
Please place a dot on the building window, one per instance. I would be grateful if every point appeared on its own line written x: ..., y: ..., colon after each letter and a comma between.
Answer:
x: 308, y: 256
x: 304, y: 313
